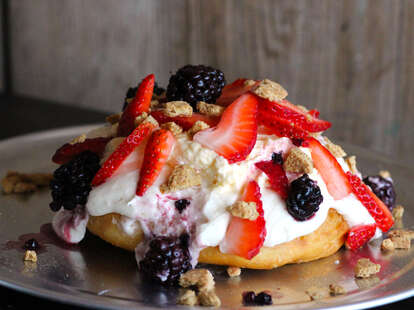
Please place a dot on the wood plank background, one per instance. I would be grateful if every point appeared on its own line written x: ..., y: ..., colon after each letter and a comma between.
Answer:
x: 352, y: 59
x: 1, y: 52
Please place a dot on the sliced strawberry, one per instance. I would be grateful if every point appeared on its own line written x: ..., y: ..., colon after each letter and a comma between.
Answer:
x: 378, y: 210
x: 359, y: 235
x: 139, y: 104
x: 157, y: 151
x: 186, y: 122
x: 121, y: 153
x: 235, y: 135
x: 315, y: 113
x: 281, y: 127
x: 233, y: 91
x: 285, y: 110
x: 331, y: 171
x: 67, y: 151
x: 277, y: 177
x: 244, y: 237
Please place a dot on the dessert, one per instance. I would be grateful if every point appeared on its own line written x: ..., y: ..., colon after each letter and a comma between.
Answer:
x: 229, y: 174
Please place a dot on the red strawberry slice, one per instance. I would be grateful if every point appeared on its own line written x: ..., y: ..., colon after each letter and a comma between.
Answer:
x: 186, y: 122
x: 281, y: 127
x: 244, y: 237
x: 285, y: 110
x: 331, y: 171
x: 378, y: 210
x: 139, y: 104
x: 157, y: 151
x: 315, y: 113
x: 235, y: 135
x: 67, y: 151
x: 359, y: 235
x: 233, y: 91
x: 121, y: 153
x: 277, y: 177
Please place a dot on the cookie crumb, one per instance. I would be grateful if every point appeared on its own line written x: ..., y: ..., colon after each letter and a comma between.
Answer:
x: 140, y: 118
x: 270, y: 90
x: 365, y: 283
x: 154, y: 104
x: 244, y: 210
x: 173, y: 127
x: 351, y: 162
x: 402, y: 242
x: 298, y: 162
x: 335, y: 149
x: 385, y: 174
x: 182, y: 177
x: 31, y: 256
x: 209, y: 109
x: 387, y: 245
x: 336, y: 289
x: 403, y: 233
x: 114, y: 118
x: 250, y: 82
x: 187, y: 298
x: 178, y: 108
x: 209, y: 299
x: 398, y: 212
x: 198, y: 126
x: 202, y: 278
x: 364, y: 268
x: 16, y: 182
x: 78, y: 139
x: 315, y: 292
x: 233, y: 271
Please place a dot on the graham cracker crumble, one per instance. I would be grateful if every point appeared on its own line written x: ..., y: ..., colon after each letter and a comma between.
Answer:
x: 398, y: 212
x: 270, y: 90
x: 233, y: 271
x: 178, y: 108
x: 298, y: 162
x: 110, y: 148
x: 78, y: 139
x: 335, y: 149
x: 336, y: 289
x: 209, y: 299
x: 364, y: 268
x: 351, y: 162
x: 173, y: 127
x: 201, y: 278
x: 315, y: 292
x: 403, y: 242
x: 209, y: 109
x: 244, y: 210
x: 385, y: 174
x: 30, y: 256
x: 405, y: 233
x: 182, y: 177
x: 140, y: 118
x: 365, y: 283
x: 113, y: 118
x: 198, y: 126
x: 250, y: 82
x: 154, y: 104
x: 387, y: 245
x: 187, y: 297
x: 15, y: 182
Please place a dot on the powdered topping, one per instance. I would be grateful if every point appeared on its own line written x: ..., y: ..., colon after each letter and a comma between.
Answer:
x: 270, y: 90
x: 298, y: 162
x: 244, y: 210
x: 182, y: 177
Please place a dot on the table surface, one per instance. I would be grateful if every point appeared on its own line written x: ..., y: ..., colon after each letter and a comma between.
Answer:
x: 20, y: 116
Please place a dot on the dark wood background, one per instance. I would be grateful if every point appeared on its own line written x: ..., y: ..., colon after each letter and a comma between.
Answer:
x: 352, y: 59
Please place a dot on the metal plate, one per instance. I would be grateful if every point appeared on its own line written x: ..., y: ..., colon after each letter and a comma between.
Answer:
x: 95, y: 274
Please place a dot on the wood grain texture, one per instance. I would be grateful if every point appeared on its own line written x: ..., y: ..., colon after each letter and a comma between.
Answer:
x: 352, y: 59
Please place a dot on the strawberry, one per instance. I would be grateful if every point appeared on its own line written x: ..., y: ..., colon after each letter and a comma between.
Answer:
x: 121, y: 153
x: 244, y: 237
x: 285, y: 110
x: 281, y: 127
x: 234, y: 90
x: 67, y: 151
x: 139, y: 104
x: 186, y: 122
x: 331, y: 171
x: 235, y: 135
x: 277, y: 177
x: 359, y: 235
x: 157, y: 151
x: 378, y: 210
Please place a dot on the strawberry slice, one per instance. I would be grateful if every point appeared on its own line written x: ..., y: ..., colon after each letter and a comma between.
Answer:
x: 235, y: 135
x: 244, y: 237
x: 331, y: 171
x: 281, y: 127
x: 157, y: 151
x: 277, y: 177
x: 67, y: 151
x: 233, y: 91
x: 139, y: 104
x: 378, y: 210
x: 186, y: 122
x: 121, y: 153
x: 359, y: 235
x: 285, y: 110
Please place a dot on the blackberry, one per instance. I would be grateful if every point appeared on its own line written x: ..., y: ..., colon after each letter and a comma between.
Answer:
x: 31, y: 244
x: 304, y: 198
x: 277, y: 158
x: 71, y: 182
x: 383, y: 188
x: 166, y: 259
x: 133, y: 90
x: 263, y: 298
x: 196, y: 83
x: 248, y: 298
x: 181, y: 204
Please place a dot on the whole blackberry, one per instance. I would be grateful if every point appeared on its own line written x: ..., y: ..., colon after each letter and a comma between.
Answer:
x: 196, y: 83
x: 304, y: 198
x: 71, y: 182
x: 133, y: 90
x: 383, y: 188
x: 166, y: 259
